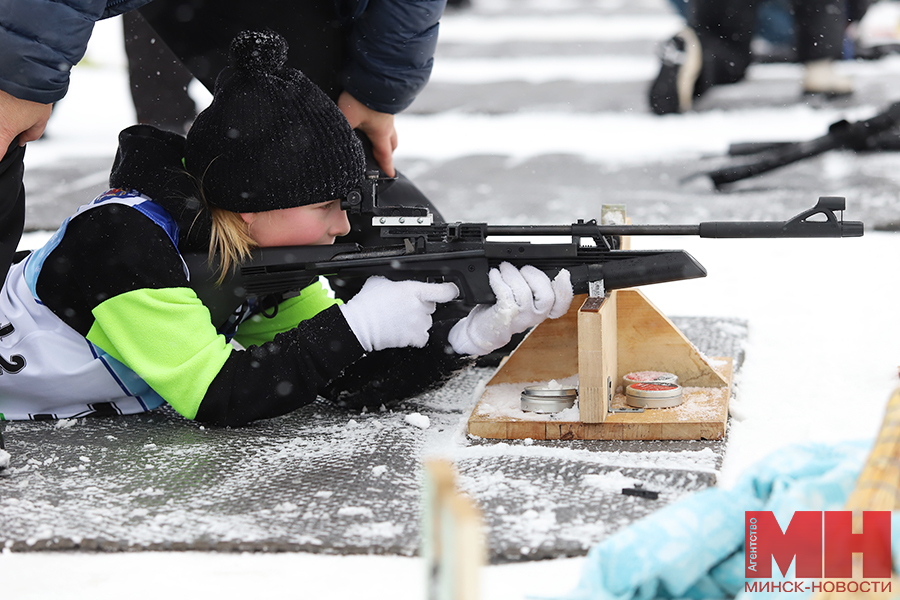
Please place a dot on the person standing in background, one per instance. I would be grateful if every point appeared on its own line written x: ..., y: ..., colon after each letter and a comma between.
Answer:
x: 714, y: 49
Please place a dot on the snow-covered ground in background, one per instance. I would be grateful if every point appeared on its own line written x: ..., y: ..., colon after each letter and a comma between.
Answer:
x: 822, y: 354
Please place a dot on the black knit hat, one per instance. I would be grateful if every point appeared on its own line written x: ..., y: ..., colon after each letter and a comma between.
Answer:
x: 271, y: 138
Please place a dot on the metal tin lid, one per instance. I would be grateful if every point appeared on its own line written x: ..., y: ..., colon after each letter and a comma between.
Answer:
x: 546, y: 400
x: 543, y: 392
x: 653, y: 394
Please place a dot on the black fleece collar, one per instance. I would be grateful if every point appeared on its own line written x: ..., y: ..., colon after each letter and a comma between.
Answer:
x: 149, y: 160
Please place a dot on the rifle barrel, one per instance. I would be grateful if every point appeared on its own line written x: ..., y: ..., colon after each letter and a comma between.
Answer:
x: 711, y: 229
x: 817, y: 222
x: 586, y: 230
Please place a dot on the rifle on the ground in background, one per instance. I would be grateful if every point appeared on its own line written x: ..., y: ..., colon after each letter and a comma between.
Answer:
x: 875, y: 134
x: 416, y: 248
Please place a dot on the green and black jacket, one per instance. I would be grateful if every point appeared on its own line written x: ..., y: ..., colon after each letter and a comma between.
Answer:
x: 115, y: 276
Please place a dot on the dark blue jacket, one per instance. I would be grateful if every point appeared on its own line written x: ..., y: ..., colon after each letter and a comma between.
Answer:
x: 41, y: 40
x: 391, y: 46
x: 391, y: 49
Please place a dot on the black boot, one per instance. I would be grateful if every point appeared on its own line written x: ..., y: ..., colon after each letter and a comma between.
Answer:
x: 681, y: 61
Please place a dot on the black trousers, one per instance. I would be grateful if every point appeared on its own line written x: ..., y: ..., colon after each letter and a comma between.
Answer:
x: 157, y: 79
x: 12, y: 213
x: 12, y: 205
x: 726, y: 28
x: 199, y: 33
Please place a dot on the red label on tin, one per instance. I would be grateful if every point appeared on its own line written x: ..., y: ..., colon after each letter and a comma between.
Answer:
x: 653, y: 387
x: 649, y: 376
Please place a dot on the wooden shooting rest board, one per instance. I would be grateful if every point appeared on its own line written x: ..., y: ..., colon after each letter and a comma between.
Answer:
x: 600, y: 340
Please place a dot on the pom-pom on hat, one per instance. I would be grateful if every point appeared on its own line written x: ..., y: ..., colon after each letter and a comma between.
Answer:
x: 271, y: 138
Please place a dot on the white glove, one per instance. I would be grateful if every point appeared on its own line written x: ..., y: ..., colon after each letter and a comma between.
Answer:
x: 525, y: 297
x: 395, y: 314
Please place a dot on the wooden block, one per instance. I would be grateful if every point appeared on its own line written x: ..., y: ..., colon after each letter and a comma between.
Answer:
x: 597, y: 360
x: 521, y: 430
x: 549, y: 351
x: 551, y: 430
x: 557, y: 430
x: 608, y: 431
x: 649, y: 341
x: 600, y: 340
x: 680, y: 431
x: 703, y: 415
x: 571, y: 431
x: 641, y: 431
x: 592, y: 403
x: 712, y: 431
x: 492, y: 430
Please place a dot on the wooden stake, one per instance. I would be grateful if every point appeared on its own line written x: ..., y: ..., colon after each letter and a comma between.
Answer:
x: 597, y: 357
x: 452, y: 536
x: 877, y: 488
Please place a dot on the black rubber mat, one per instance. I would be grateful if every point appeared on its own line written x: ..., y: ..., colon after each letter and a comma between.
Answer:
x: 325, y: 480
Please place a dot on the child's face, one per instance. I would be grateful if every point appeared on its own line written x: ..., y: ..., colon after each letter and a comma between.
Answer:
x: 310, y: 225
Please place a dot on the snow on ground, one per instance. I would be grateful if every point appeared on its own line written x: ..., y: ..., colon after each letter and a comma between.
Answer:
x: 822, y: 351
x: 821, y: 360
x: 151, y: 575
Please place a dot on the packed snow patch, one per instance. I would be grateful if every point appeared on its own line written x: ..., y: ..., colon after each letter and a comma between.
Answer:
x: 612, y: 481
x: 418, y: 420
x: 355, y: 511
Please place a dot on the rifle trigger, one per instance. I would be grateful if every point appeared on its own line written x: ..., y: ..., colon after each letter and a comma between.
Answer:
x: 408, y: 246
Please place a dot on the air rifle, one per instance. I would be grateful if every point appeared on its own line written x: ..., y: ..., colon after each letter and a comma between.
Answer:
x: 876, y: 133
x: 417, y: 248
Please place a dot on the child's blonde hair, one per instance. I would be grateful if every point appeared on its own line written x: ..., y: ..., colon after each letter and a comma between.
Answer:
x: 230, y: 241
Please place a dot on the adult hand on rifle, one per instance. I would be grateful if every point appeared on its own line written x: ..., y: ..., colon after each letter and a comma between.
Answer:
x: 378, y: 126
x: 395, y: 314
x: 525, y: 297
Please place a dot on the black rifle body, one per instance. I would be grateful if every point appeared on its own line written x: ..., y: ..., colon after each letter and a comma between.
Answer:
x: 464, y: 253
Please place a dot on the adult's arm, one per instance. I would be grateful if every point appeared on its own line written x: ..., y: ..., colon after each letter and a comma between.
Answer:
x: 41, y: 41
x: 391, y: 52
